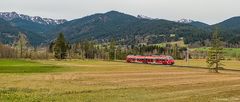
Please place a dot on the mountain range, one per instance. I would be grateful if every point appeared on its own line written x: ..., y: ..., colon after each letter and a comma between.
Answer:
x: 8, y: 16
x: 124, y: 28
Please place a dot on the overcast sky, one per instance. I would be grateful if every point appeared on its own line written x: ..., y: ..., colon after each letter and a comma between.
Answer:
x: 208, y: 11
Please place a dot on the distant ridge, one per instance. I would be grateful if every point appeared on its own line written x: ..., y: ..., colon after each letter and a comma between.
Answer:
x: 13, y: 15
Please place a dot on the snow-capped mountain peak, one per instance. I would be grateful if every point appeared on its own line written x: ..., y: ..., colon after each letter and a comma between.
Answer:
x: 13, y: 15
x: 186, y: 21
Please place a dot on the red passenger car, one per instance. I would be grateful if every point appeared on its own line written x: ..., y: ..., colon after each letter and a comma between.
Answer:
x: 162, y: 59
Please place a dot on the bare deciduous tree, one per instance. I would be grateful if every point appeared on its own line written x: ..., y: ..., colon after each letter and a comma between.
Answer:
x: 22, y: 43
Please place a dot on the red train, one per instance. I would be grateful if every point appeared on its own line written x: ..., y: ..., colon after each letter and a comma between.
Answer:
x: 162, y: 59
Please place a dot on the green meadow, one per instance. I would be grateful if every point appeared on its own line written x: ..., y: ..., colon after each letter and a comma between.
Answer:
x: 229, y: 52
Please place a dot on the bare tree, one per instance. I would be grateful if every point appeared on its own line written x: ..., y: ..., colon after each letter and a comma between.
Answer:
x: 22, y: 43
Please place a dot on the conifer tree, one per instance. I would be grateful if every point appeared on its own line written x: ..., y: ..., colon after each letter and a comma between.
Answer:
x: 60, y: 48
x: 112, y: 50
x: 215, y: 53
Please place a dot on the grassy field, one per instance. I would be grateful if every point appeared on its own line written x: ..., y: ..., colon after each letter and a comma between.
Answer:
x: 103, y: 81
x: 179, y: 43
x: 229, y: 52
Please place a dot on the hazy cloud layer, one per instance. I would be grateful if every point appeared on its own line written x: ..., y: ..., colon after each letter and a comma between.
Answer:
x: 209, y: 11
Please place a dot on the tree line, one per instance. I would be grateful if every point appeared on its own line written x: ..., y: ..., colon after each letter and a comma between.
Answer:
x: 110, y: 51
x: 61, y: 49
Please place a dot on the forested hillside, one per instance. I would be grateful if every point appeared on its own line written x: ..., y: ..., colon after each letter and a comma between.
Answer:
x: 230, y: 29
x: 125, y: 29
x: 9, y: 34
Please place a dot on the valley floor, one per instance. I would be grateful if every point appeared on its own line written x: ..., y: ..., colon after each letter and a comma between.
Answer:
x: 104, y: 81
